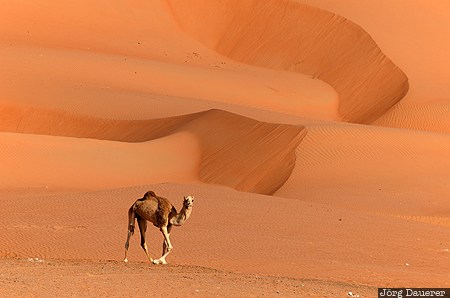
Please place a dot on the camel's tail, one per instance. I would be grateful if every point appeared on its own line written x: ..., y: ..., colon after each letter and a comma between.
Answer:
x: 131, y: 219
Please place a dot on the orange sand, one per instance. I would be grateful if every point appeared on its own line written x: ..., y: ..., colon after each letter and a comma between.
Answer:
x: 316, y: 145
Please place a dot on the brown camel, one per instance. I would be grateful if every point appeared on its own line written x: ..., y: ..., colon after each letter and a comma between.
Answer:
x: 162, y: 214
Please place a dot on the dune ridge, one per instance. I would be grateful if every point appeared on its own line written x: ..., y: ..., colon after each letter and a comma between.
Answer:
x: 421, y: 53
x: 245, y: 154
x: 268, y: 150
x: 300, y: 38
x: 410, y: 34
x: 51, y: 162
x: 137, y: 88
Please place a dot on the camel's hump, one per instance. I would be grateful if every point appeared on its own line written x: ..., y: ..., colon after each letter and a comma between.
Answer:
x: 149, y: 194
x: 162, y: 203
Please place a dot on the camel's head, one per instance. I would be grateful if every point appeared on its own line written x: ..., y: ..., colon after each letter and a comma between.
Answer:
x: 188, y: 201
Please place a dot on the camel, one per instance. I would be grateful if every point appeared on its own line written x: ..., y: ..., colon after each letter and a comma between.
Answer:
x: 162, y: 214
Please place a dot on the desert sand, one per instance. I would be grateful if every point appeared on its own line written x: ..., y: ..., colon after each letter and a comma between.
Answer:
x: 314, y: 136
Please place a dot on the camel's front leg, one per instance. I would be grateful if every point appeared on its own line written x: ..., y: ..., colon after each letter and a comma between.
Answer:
x: 167, y: 246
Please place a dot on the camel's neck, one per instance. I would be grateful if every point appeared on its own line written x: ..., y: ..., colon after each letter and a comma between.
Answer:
x: 181, y: 217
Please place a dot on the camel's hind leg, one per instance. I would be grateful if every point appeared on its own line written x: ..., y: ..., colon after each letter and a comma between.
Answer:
x: 131, y: 219
x: 127, y: 244
x: 167, y: 245
x: 142, y: 223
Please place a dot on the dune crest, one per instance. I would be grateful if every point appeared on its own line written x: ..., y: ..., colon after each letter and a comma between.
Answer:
x: 243, y: 153
x: 411, y: 34
x: 51, y: 162
x: 227, y: 142
x: 296, y: 37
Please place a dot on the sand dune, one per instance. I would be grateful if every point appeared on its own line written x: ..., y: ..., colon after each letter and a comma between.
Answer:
x: 244, y: 105
x: 64, y: 75
x: 119, y: 29
x: 389, y: 171
x: 224, y: 139
x: 421, y: 53
x: 411, y: 34
x: 290, y: 36
x: 70, y: 163
x: 430, y: 116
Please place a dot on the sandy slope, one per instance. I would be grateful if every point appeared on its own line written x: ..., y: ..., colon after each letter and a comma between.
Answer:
x: 104, y: 101
x: 411, y: 33
x: 186, y: 147
x: 429, y: 116
x: 373, y: 169
x: 49, y: 162
x: 285, y: 35
x: 422, y: 53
